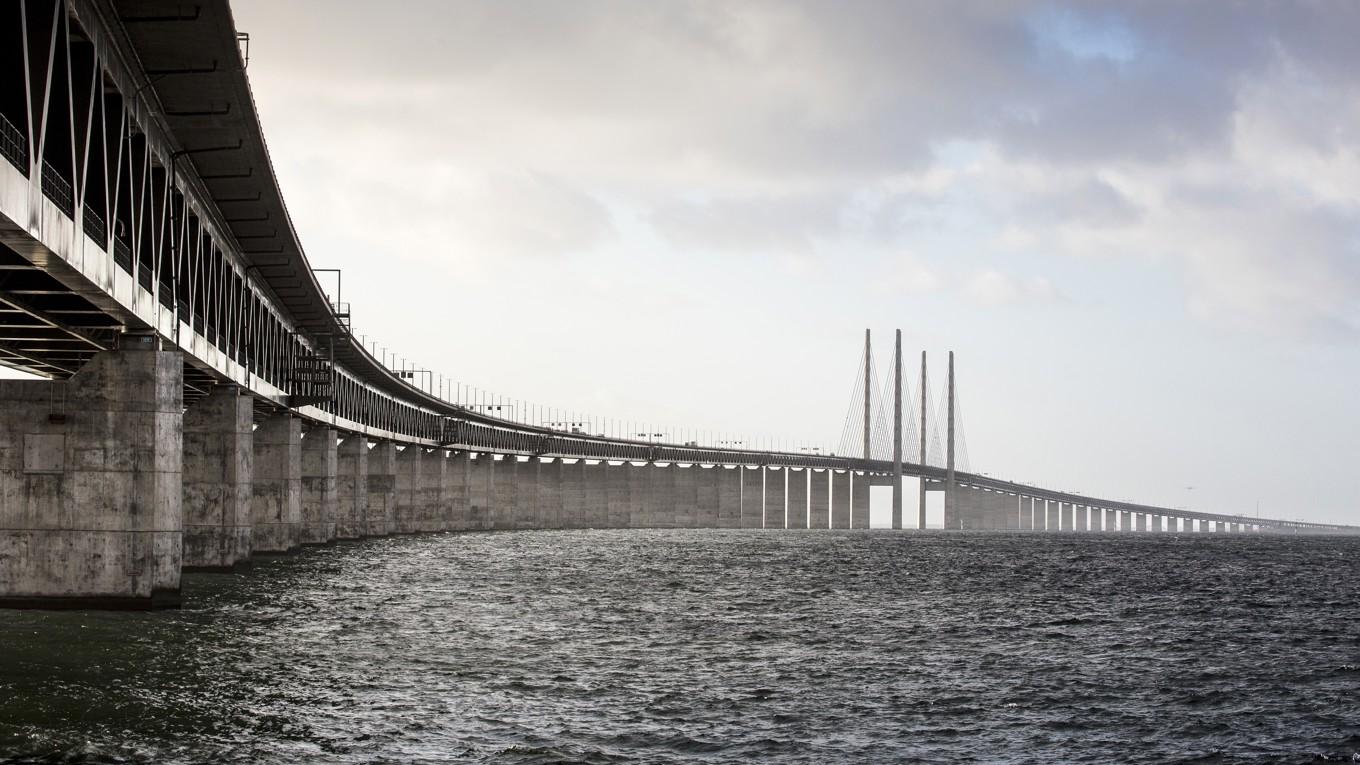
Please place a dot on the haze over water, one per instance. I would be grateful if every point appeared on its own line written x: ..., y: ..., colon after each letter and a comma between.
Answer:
x: 714, y: 646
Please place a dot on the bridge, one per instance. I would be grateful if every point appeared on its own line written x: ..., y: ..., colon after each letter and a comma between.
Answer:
x: 203, y: 399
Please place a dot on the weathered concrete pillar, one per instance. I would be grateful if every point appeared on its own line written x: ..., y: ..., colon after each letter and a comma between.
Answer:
x: 859, y: 501
x: 320, y: 496
x: 573, y: 492
x: 597, y: 495
x: 459, y: 500
x: 507, y: 492
x: 752, y: 498
x: 409, y: 463
x: 707, y: 499
x: 840, y: 499
x: 527, y: 476
x: 797, y: 515
x: 775, y: 496
x: 434, y: 475
x: 481, y: 490
x: 276, y: 485
x: 639, y: 495
x: 1125, y: 520
x: 91, y: 482
x: 550, y: 494
x: 1026, y: 513
x: 686, y: 488
x: 729, y: 496
x: 1140, y: 522
x: 1094, y: 521
x: 351, y: 486
x: 1111, y: 521
x: 616, y: 493
x: 218, y: 456
x: 1065, y: 516
x: 380, y: 488
x: 819, y: 499
x: 1009, y: 507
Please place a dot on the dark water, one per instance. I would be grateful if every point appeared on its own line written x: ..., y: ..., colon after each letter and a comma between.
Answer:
x: 706, y: 646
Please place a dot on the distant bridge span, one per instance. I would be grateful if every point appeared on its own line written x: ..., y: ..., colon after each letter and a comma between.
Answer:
x: 206, y: 399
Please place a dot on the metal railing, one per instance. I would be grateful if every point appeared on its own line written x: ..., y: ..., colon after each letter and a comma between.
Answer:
x: 94, y: 227
x: 57, y: 189
x: 13, y: 145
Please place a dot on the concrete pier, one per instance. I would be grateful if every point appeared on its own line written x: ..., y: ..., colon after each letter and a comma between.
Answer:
x: 526, y: 511
x: 409, y: 463
x: 1094, y: 522
x: 1026, y: 510
x: 729, y: 497
x: 859, y: 501
x: 550, y: 494
x: 638, y: 481
x: 91, y: 482
x: 380, y: 487
x: 685, y: 486
x: 276, y: 485
x: 507, y: 491
x: 616, y: 488
x: 460, y: 490
x: 1053, y: 516
x: 1111, y: 522
x: 320, y: 496
x: 1079, y: 518
x: 797, y: 515
x: 819, y: 499
x: 434, y: 477
x: 707, y: 499
x: 840, y: 499
x: 217, y: 466
x: 1125, y: 520
x: 351, y: 487
x: 752, y: 498
x: 1066, y: 516
x: 775, y: 495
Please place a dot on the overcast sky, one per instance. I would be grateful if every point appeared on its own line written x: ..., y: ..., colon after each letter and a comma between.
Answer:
x: 1137, y: 224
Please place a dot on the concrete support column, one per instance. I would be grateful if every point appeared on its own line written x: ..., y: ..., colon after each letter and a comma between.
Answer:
x: 859, y: 501
x: 752, y: 498
x: 1053, y: 516
x: 458, y: 502
x: 573, y: 493
x: 409, y: 463
x: 380, y: 511
x: 840, y: 499
x: 1066, y: 516
x: 707, y: 499
x: 1111, y: 521
x: 1079, y: 517
x: 276, y: 485
x: 1095, y: 518
x: 507, y: 492
x: 91, y: 484
x: 1009, y: 507
x: 729, y: 496
x: 1026, y: 513
x: 665, y: 503
x: 526, y: 513
x: 616, y: 490
x: 639, y: 495
x: 434, y: 475
x: 218, y: 458
x: 1140, y: 522
x: 686, y: 488
x: 597, y: 495
x: 1125, y: 520
x: 351, y: 487
x: 481, y: 491
x: 819, y: 500
x: 320, y: 495
x: 550, y: 494
x: 774, y: 497
x: 797, y: 517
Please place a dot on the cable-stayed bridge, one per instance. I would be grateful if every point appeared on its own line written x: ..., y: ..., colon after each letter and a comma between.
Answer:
x: 207, y: 398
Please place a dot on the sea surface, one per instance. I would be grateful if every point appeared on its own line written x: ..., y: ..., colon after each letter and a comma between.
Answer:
x: 714, y: 646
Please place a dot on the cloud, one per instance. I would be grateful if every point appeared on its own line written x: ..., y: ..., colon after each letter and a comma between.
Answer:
x: 992, y: 288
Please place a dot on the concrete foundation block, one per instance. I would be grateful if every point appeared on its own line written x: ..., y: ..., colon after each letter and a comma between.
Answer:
x: 351, y: 487
x: 320, y: 486
x: 276, y: 496
x: 216, y: 496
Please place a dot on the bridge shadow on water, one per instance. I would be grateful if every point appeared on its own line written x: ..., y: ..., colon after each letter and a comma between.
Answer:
x: 714, y: 646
